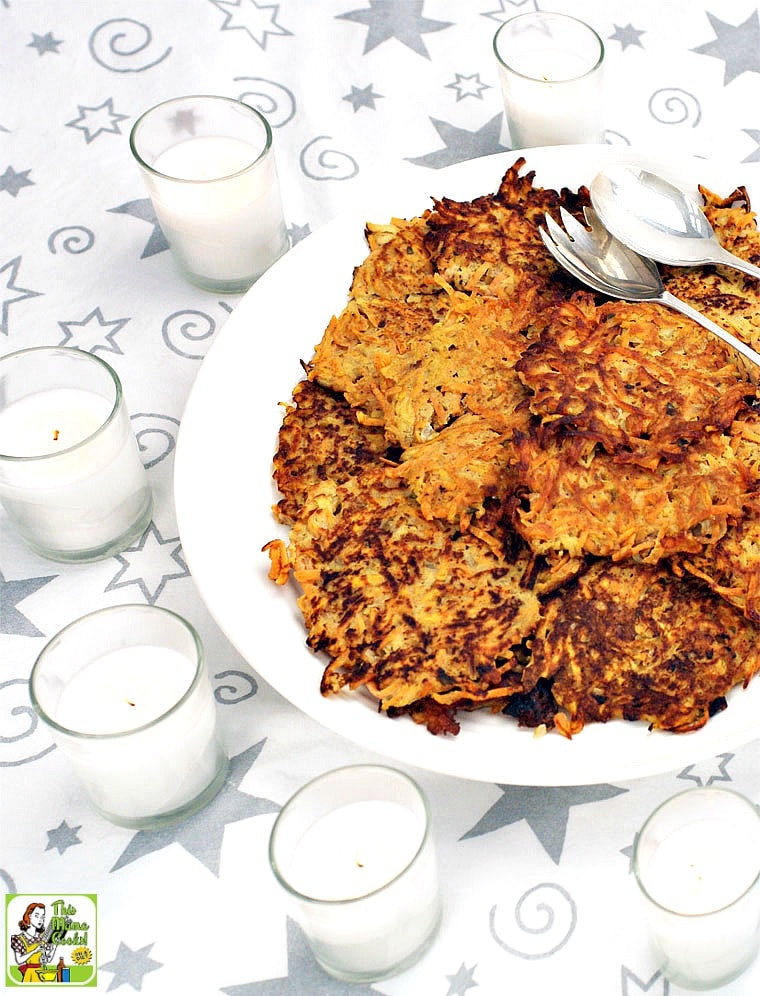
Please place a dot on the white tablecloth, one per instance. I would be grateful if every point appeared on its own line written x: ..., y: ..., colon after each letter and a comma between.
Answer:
x: 537, y: 884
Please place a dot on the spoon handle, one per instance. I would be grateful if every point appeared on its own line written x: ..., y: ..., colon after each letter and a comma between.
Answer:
x: 729, y: 259
x: 748, y: 359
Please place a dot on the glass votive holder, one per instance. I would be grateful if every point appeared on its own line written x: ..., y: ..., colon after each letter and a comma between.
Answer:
x: 697, y: 864
x: 550, y: 69
x: 71, y: 477
x: 125, y: 693
x: 209, y: 167
x: 354, y: 852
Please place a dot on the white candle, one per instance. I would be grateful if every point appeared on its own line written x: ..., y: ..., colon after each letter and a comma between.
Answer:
x: 124, y: 689
x: 216, y: 194
x: 130, y: 705
x: 227, y: 230
x: 700, y: 879
x: 362, y: 874
x: 355, y: 850
x: 550, y: 72
x: 51, y: 421
x: 87, y: 487
x: 703, y: 866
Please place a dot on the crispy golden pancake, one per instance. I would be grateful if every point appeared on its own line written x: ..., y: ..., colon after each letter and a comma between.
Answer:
x: 640, y: 380
x: 581, y: 501
x: 636, y: 643
x: 406, y: 608
x: 319, y: 438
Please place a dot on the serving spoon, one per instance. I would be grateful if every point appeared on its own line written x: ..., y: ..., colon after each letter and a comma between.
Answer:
x: 595, y: 257
x: 658, y: 220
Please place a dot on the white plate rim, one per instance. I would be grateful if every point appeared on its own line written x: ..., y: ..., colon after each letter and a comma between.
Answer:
x: 223, y: 494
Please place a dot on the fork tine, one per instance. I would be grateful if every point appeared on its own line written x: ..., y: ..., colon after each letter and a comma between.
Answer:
x: 580, y: 235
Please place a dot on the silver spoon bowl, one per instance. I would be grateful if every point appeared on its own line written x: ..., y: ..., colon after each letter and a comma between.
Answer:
x: 658, y: 220
x: 595, y: 257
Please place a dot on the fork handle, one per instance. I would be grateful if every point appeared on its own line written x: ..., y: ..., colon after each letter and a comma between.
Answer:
x: 729, y: 259
x: 746, y: 353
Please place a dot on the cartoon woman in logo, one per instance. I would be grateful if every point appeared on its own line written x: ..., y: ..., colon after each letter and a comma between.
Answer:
x: 31, y: 947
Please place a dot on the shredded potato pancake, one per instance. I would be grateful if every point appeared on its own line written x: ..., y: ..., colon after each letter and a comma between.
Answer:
x: 507, y: 493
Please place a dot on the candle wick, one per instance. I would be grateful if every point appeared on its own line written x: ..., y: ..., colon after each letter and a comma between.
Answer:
x: 129, y: 703
x: 55, y: 435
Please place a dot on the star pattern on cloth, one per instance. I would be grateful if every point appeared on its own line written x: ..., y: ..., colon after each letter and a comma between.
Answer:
x: 94, y: 121
x: 258, y: 19
x: 87, y: 334
x: 738, y: 45
x: 363, y: 97
x: 627, y: 35
x: 754, y: 134
x: 11, y: 268
x: 202, y: 834
x: 468, y: 86
x: 461, y: 981
x: 298, y: 233
x: 129, y: 967
x: 12, y: 621
x: 304, y: 975
x: 546, y: 811
x: 150, y: 564
x: 143, y: 210
x: 399, y: 19
x: 11, y: 181
x: 658, y: 985
x: 63, y: 837
x: 707, y: 772
x: 461, y: 145
x: 45, y: 43
x: 508, y: 9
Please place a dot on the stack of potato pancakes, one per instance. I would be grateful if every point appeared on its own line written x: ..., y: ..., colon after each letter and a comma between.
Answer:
x: 505, y: 492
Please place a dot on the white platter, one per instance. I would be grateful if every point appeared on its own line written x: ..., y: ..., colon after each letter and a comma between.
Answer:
x: 224, y: 493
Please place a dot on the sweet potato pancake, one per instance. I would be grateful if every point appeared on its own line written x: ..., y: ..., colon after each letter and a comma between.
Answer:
x: 505, y: 492
x: 633, y: 642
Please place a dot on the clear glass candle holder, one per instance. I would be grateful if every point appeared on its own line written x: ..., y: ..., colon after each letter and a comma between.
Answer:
x: 550, y: 69
x: 354, y: 852
x: 209, y: 167
x: 71, y: 477
x: 127, y: 698
x: 697, y: 865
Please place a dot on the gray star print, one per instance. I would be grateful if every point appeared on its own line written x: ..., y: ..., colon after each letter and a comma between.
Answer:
x: 94, y: 120
x: 11, y: 593
x: 143, y: 209
x: 258, y: 19
x: 462, y: 981
x: 362, y: 97
x: 737, y: 44
x: 141, y: 564
x: 546, y: 810
x: 89, y: 335
x: 12, y: 267
x: 63, y: 837
x: 708, y: 771
x: 627, y: 36
x: 298, y: 233
x: 130, y: 966
x: 201, y: 834
x: 754, y: 134
x: 461, y: 144
x: 11, y: 181
x: 45, y: 43
x: 399, y: 19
